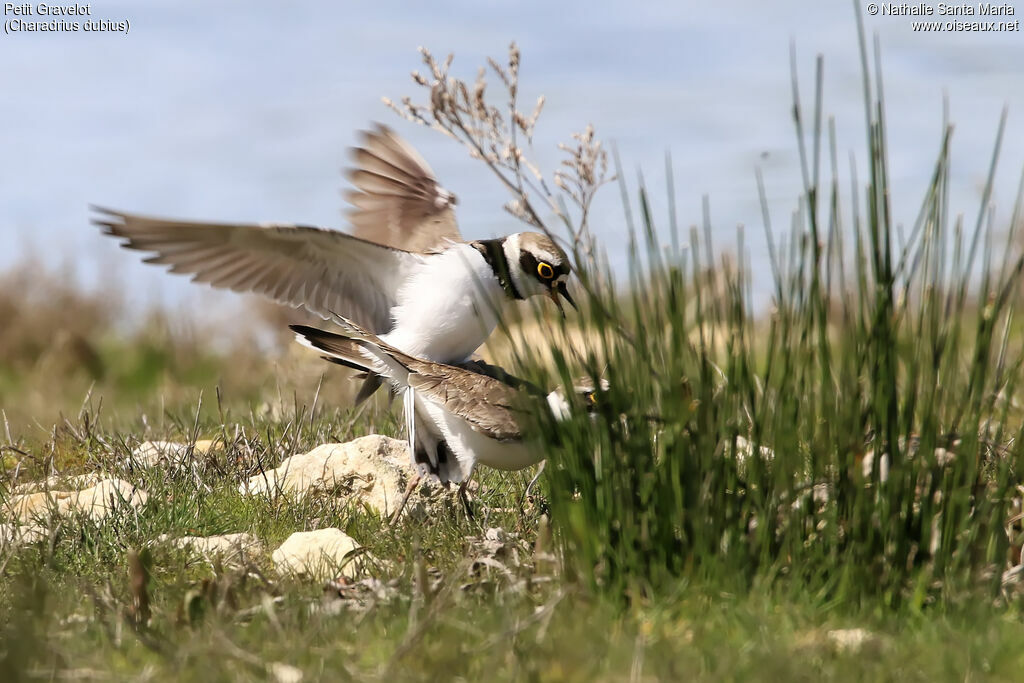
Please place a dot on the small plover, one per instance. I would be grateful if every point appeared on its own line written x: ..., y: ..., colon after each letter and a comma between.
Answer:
x: 405, y: 272
x: 456, y: 418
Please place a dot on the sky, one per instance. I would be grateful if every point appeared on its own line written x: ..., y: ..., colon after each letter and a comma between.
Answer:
x: 245, y: 110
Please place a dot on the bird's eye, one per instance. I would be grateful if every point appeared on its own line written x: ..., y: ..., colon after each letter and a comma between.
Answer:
x: 545, y: 271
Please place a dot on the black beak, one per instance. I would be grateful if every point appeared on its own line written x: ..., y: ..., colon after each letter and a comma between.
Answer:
x: 560, y: 288
x: 564, y: 291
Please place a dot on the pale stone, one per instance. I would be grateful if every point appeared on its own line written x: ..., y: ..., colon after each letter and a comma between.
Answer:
x: 13, y: 535
x: 106, y: 497
x: 284, y: 673
x: 229, y: 547
x: 153, y: 453
x: 59, y: 482
x: 29, y: 506
x: 745, y: 451
x: 497, y: 536
x: 318, y: 554
x: 820, y: 494
x: 944, y: 457
x: 851, y: 640
x: 867, y: 466
x: 375, y: 468
x: 95, y: 502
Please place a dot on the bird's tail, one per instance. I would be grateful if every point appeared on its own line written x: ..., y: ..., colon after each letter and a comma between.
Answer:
x: 362, y: 350
x: 356, y: 348
x: 339, y: 349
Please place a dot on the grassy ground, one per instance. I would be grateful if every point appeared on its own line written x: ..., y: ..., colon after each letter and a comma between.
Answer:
x: 71, y: 603
x: 70, y: 606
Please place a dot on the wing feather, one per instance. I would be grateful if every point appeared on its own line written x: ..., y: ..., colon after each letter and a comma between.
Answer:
x: 380, y: 186
x: 491, y: 409
x: 397, y: 200
x: 373, y: 163
x: 321, y: 270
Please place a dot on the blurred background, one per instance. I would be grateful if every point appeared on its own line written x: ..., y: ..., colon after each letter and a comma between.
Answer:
x: 244, y: 111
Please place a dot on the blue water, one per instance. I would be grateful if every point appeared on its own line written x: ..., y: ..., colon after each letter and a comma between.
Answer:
x: 244, y: 110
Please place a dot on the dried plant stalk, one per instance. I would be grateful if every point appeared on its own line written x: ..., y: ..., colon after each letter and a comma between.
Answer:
x: 493, y: 134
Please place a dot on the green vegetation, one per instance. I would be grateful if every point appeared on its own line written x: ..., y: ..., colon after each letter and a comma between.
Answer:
x: 751, y: 487
x: 859, y: 443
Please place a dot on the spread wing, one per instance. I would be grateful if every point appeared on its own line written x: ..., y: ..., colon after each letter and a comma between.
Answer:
x: 397, y: 200
x: 492, y: 408
x: 321, y: 270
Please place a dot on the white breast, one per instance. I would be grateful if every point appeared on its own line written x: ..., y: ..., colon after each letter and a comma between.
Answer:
x: 448, y: 307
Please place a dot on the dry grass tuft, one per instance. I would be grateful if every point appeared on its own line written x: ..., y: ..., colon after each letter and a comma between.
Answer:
x: 62, y: 345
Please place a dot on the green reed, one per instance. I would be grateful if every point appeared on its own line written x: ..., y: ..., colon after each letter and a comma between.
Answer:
x: 857, y: 440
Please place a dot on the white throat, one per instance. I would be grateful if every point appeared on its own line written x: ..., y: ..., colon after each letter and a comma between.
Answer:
x: 558, y: 405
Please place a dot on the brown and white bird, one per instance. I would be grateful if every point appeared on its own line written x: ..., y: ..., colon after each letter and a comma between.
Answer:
x: 404, y: 273
x: 455, y: 418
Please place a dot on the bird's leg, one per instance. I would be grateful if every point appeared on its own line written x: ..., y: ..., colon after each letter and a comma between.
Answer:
x: 526, y: 492
x: 413, y: 483
x: 464, y: 497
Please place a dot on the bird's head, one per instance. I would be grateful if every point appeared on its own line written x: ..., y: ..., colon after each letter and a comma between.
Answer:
x: 538, y: 266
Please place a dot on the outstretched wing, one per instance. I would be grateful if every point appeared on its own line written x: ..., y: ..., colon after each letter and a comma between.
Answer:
x: 321, y: 270
x: 397, y: 200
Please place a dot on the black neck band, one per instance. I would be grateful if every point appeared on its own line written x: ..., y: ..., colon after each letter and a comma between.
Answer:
x: 493, y: 252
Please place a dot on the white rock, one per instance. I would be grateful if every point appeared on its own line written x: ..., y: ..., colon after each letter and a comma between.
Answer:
x: 284, y: 673
x: 230, y: 547
x: 153, y: 453
x: 944, y: 457
x: 109, y: 495
x: 745, y: 451
x: 95, y: 502
x: 60, y: 482
x: 319, y: 554
x: 496, y: 535
x: 867, y: 466
x: 14, y: 535
x: 851, y: 640
x: 37, y: 506
x: 375, y: 468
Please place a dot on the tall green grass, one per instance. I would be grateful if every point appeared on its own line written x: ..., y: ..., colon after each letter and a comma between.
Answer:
x: 733, y: 444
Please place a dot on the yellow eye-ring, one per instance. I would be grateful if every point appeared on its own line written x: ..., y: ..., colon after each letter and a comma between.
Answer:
x: 545, y: 271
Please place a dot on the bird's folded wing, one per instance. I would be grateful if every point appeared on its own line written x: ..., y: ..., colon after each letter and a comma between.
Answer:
x: 397, y: 200
x: 321, y: 270
x: 491, y: 408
